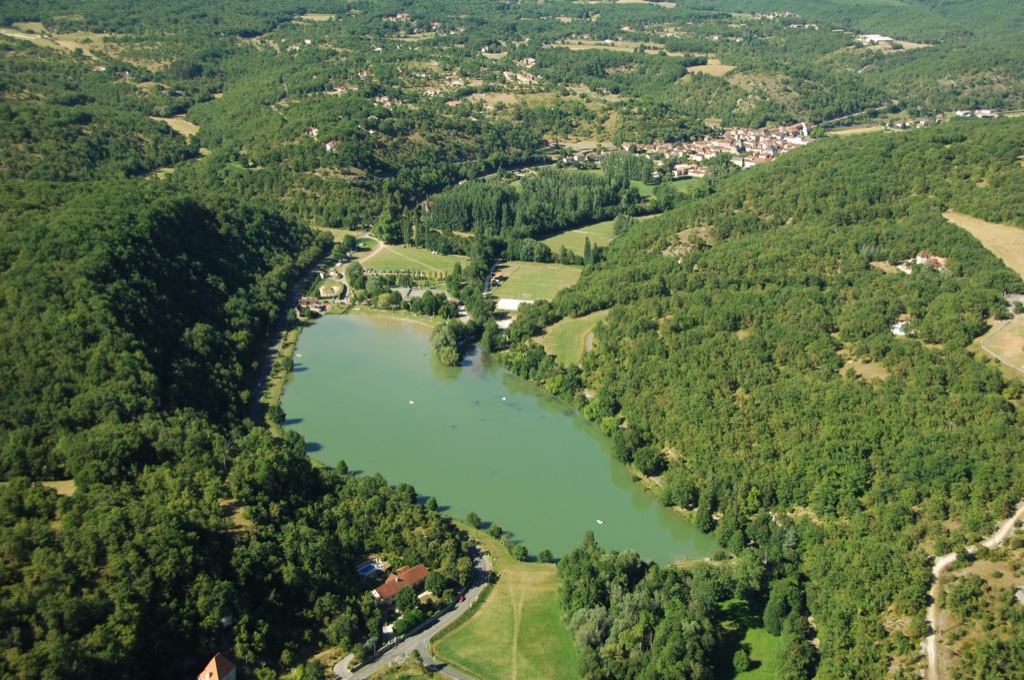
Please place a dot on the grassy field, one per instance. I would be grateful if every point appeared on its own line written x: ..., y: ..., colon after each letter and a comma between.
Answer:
x: 63, y: 487
x: 397, y: 258
x: 682, y: 186
x: 1006, y: 242
x: 517, y: 633
x: 1008, y: 343
x: 743, y: 629
x: 533, y: 281
x: 180, y: 125
x: 600, y: 234
x: 567, y: 339
x: 856, y: 130
x: 713, y: 68
x: 339, y: 234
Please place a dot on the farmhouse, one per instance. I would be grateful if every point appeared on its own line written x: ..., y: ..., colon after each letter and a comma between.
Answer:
x: 405, y: 576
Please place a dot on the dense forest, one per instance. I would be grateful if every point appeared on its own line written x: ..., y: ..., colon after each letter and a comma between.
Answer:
x: 161, y: 165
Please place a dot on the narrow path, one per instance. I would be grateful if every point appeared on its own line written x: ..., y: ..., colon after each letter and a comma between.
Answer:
x: 931, y: 651
x: 517, y: 617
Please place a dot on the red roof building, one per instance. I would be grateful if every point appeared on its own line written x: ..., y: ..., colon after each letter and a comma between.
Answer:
x: 219, y: 668
x: 405, y: 576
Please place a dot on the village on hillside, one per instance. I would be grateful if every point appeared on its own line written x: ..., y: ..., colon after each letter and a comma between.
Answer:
x: 679, y: 160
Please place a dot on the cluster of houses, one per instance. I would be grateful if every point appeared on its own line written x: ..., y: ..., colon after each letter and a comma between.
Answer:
x: 682, y: 159
x: 314, y: 305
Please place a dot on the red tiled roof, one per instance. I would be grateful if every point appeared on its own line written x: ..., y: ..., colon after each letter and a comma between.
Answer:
x: 406, y: 576
x: 218, y: 668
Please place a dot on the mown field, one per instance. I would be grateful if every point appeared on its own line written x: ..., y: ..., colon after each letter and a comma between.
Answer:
x: 399, y: 258
x: 567, y: 339
x: 517, y: 633
x: 1005, y: 242
x: 600, y: 234
x: 532, y: 281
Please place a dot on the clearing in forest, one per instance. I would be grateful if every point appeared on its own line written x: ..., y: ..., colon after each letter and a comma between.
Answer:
x: 600, y: 234
x: 714, y: 67
x: 180, y: 125
x: 517, y: 632
x: 535, y: 281
x: 570, y: 339
x: 743, y: 629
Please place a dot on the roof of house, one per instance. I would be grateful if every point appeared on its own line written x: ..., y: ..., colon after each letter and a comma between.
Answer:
x: 217, y: 669
x: 405, y: 576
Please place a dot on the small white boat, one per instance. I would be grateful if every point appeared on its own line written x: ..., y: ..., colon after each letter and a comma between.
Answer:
x: 411, y: 401
x: 600, y: 521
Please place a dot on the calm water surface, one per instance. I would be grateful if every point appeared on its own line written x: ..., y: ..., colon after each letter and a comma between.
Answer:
x: 475, y: 437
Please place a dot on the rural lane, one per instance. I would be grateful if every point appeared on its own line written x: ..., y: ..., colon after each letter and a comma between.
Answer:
x: 931, y: 651
x: 420, y: 640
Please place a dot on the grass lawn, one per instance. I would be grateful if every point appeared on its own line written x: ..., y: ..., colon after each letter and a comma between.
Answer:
x: 567, y: 338
x: 743, y: 628
x: 397, y: 258
x: 518, y: 632
x: 600, y: 234
x: 535, y: 281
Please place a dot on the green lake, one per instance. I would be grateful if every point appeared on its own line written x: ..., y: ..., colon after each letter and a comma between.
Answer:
x: 475, y: 437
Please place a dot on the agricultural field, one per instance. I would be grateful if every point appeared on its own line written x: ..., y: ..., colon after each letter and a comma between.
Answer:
x: 399, y: 258
x: 532, y: 281
x: 518, y: 631
x: 567, y: 339
x: 600, y: 234
x: 1005, y: 242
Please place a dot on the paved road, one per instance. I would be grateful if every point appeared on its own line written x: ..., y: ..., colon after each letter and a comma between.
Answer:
x: 421, y: 640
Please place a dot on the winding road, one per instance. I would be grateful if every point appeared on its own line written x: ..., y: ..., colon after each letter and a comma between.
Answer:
x: 419, y: 641
x: 931, y: 651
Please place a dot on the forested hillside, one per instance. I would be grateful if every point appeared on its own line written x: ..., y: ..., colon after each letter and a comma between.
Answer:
x: 729, y: 367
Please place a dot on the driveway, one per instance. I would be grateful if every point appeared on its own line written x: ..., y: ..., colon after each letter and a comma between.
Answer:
x: 420, y: 640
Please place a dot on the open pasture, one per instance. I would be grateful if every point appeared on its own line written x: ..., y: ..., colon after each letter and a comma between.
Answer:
x: 399, y: 258
x: 600, y: 234
x: 517, y: 632
x: 567, y: 339
x: 535, y: 281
